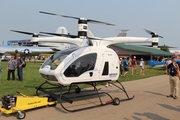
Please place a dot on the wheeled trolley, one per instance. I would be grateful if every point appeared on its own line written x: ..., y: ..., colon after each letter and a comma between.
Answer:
x: 12, y: 104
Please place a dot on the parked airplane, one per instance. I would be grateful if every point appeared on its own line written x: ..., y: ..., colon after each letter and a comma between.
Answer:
x: 24, y: 50
x: 160, y: 64
x: 157, y: 64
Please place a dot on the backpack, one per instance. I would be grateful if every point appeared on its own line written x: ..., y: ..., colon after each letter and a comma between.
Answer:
x: 24, y: 65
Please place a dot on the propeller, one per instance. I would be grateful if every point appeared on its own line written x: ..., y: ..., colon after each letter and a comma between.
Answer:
x: 28, y: 33
x: 88, y: 20
x: 152, y: 33
x: 162, y: 46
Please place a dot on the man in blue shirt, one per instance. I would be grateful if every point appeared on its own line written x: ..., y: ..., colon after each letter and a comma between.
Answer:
x: 20, y: 62
x: 125, y: 63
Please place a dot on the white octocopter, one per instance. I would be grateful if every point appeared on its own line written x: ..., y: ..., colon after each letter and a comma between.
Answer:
x: 91, y: 62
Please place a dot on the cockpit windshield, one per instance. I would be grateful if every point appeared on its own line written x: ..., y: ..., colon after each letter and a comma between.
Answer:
x: 57, y: 58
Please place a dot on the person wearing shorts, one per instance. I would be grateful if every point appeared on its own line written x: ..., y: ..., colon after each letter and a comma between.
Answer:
x: 125, y: 64
x: 141, y: 67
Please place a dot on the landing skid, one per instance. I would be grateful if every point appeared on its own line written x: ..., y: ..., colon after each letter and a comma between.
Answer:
x: 67, y: 96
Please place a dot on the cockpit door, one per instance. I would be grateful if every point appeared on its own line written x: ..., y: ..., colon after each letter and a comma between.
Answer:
x: 110, y: 65
x: 81, y: 69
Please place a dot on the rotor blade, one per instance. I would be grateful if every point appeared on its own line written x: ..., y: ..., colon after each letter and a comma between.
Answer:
x: 160, y: 36
x: 58, y: 15
x: 57, y: 34
x: 148, y: 31
x: 146, y: 45
x: 166, y: 46
x: 99, y: 22
x: 152, y: 33
x: 28, y: 33
x: 88, y: 20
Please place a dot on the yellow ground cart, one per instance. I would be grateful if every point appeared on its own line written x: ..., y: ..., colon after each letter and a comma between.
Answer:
x: 11, y: 104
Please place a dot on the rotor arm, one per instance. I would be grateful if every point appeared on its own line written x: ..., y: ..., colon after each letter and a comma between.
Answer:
x: 115, y: 40
x: 76, y: 41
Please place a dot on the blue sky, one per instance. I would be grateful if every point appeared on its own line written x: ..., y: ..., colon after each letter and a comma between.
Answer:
x: 160, y: 16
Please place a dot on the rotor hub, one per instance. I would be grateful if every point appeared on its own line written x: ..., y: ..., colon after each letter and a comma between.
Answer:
x: 35, y: 35
x: 82, y: 28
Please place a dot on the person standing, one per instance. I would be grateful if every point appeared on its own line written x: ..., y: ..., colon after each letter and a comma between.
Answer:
x: 11, y: 68
x: 134, y: 63
x: 125, y: 64
x: 121, y: 66
x: 168, y: 61
x: 141, y: 67
x: 20, y: 62
x: 173, y: 72
x: 129, y: 63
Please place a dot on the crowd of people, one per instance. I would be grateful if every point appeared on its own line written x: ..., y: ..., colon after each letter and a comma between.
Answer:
x: 126, y: 64
x: 129, y: 64
x: 13, y: 64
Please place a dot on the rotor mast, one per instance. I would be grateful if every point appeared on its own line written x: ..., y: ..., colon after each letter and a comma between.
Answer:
x: 82, y: 28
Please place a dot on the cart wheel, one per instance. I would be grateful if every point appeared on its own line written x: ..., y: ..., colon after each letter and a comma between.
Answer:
x: 116, y: 101
x: 77, y: 90
x: 51, y: 99
x: 21, y: 115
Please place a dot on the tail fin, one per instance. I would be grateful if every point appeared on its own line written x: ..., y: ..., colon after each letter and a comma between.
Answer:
x: 62, y: 30
x: 122, y: 33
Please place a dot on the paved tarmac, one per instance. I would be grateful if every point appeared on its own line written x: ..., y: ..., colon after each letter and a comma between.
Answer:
x: 150, y: 103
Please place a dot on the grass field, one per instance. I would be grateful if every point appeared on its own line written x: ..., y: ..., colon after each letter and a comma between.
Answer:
x: 33, y: 79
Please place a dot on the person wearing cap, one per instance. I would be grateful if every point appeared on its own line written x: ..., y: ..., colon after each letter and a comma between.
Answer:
x: 173, y: 72
x: 141, y: 67
x: 134, y: 63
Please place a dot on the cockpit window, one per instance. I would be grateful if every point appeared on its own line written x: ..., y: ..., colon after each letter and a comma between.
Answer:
x: 57, y: 58
x: 81, y: 65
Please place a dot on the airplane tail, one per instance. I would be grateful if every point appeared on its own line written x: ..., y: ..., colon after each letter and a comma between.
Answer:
x: 62, y: 30
x: 122, y: 33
